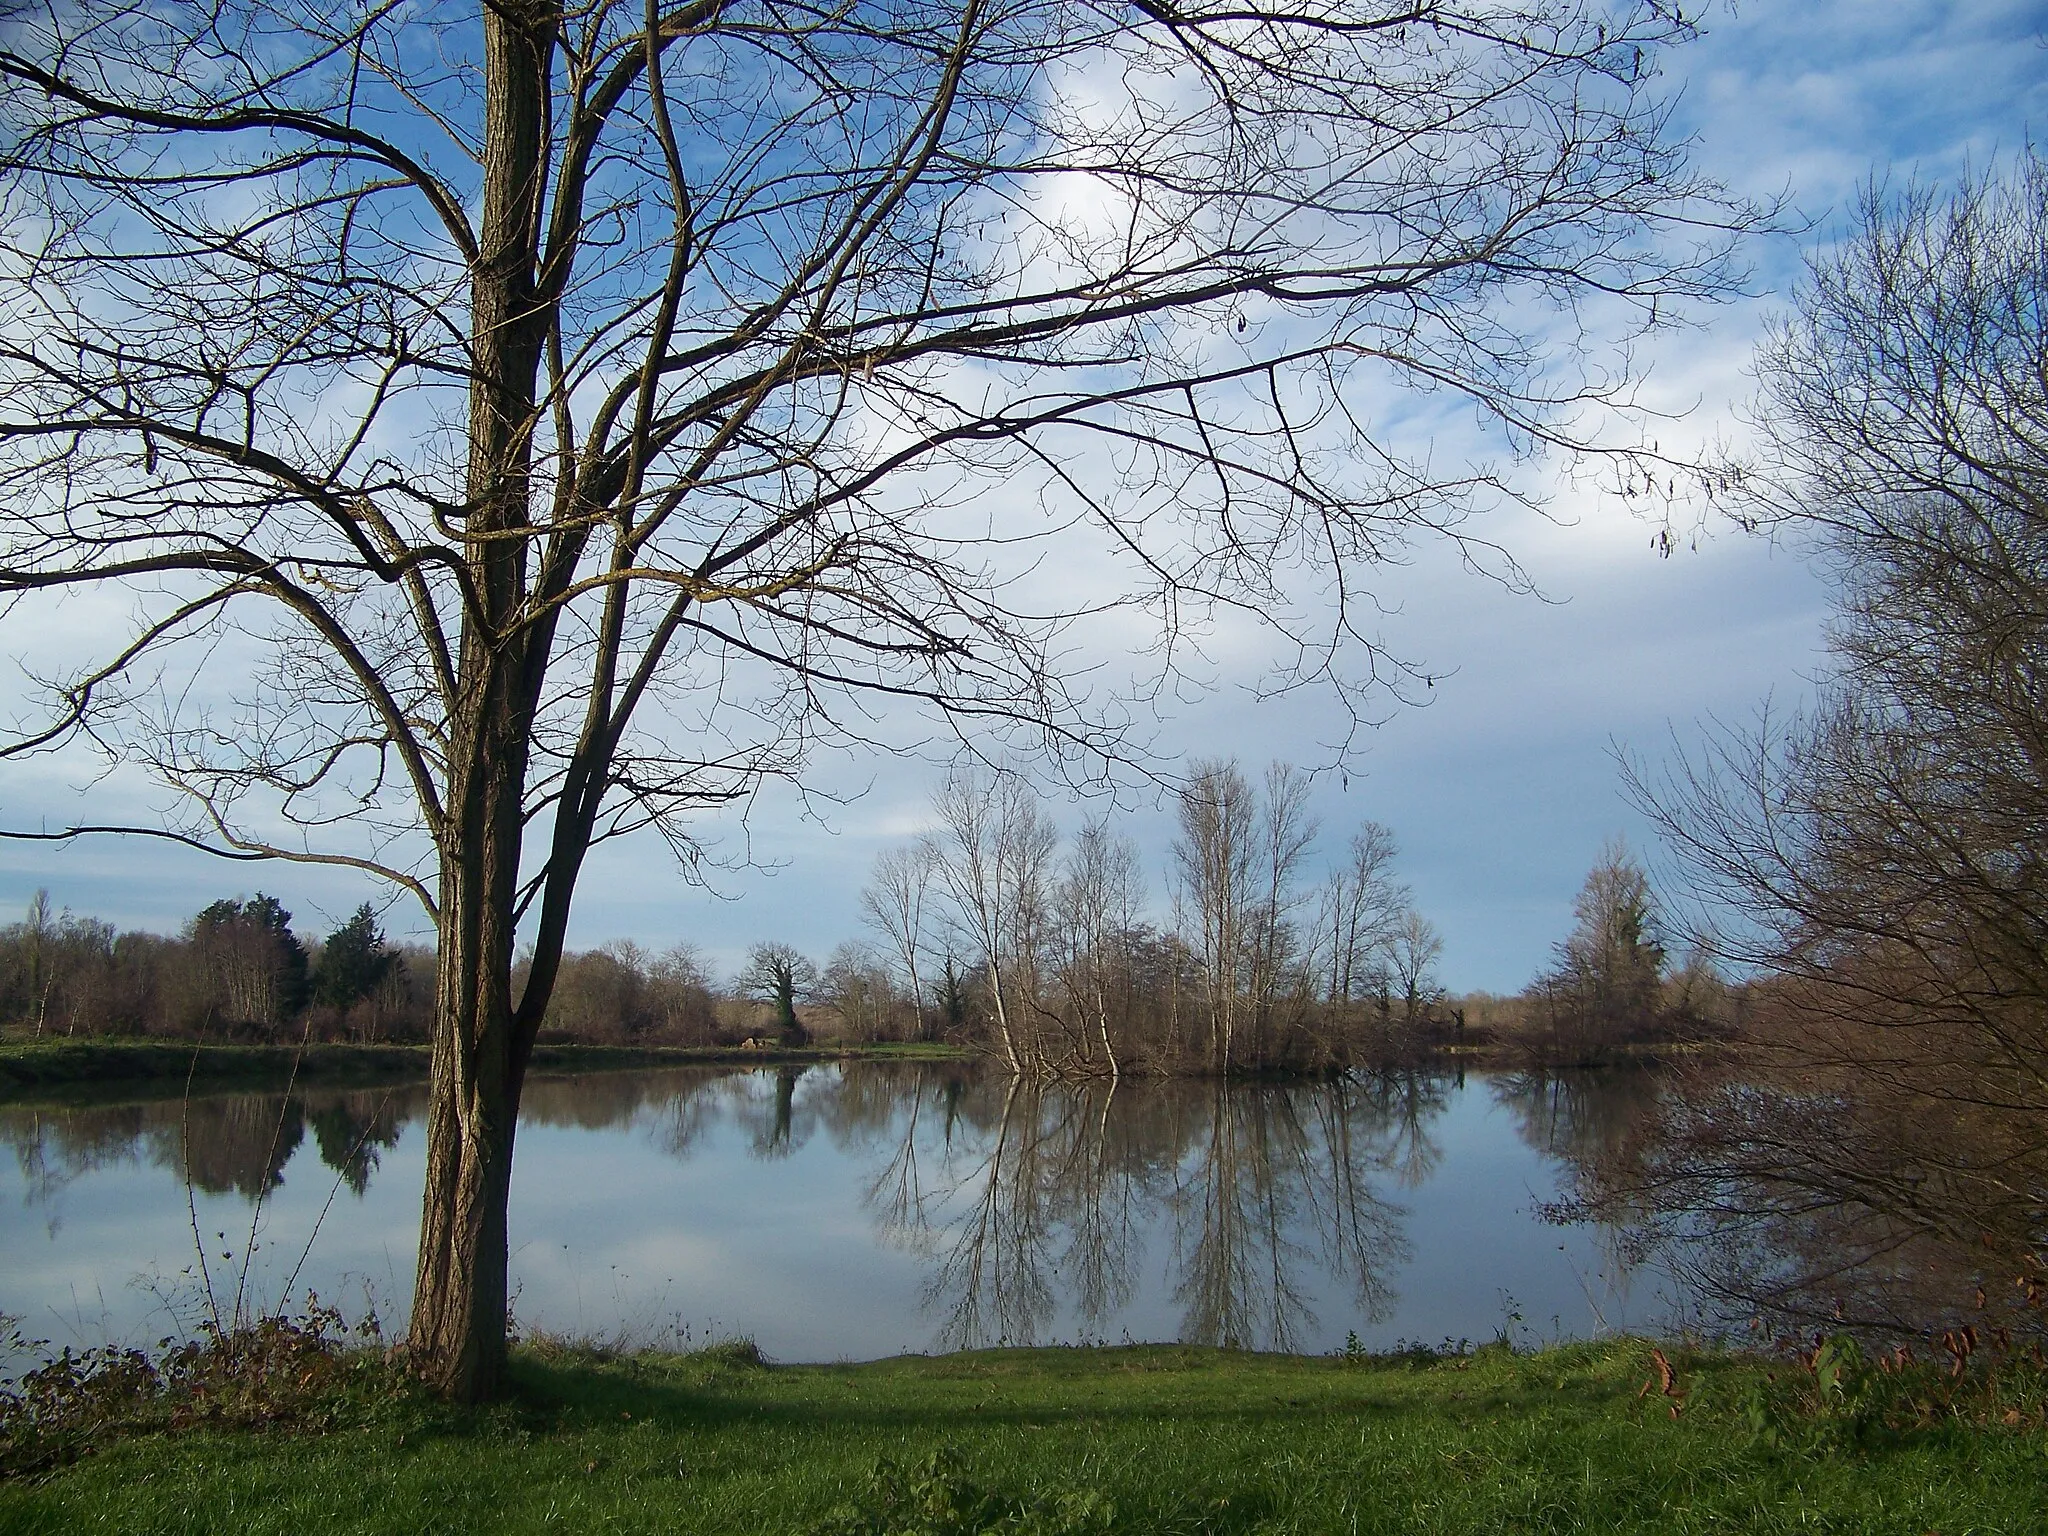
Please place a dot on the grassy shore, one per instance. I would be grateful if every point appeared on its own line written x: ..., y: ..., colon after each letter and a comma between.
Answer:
x: 36, y: 1065
x: 1071, y: 1442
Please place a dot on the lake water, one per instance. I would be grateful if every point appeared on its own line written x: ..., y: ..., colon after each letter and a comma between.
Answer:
x: 856, y: 1211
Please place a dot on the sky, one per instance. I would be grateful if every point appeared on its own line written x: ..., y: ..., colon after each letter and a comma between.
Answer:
x: 1503, y: 786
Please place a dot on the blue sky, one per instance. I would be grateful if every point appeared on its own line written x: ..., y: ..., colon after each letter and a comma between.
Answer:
x: 1502, y: 789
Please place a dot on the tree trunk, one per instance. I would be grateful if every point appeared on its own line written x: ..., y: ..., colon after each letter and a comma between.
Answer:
x: 456, y: 1341
x: 457, y: 1336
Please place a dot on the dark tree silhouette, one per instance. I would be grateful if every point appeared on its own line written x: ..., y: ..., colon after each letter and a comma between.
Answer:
x: 354, y: 961
x: 779, y: 976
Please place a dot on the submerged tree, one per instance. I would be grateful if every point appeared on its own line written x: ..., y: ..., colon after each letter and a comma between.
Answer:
x: 563, y: 416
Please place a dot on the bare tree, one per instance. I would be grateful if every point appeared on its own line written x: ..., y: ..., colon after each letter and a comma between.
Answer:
x: 1412, y: 954
x: 992, y: 858
x: 1217, y: 856
x: 893, y: 902
x: 1880, y: 863
x: 1286, y: 833
x: 680, y: 993
x: 1100, y: 895
x: 856, y: 983
x: 781, y: 977
x: 1363, y: 905
x: 1238, y: 854
x: 37, y: 930
x: 566, y: 415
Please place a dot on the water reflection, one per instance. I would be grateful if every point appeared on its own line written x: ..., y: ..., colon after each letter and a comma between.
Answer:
x: 1579, y: 1117
x: 353, y: 1133
x: 1267, y: 1215
x: 220, y: 1144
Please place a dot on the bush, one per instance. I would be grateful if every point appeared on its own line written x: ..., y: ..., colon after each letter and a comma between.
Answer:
x: 283, y: 1373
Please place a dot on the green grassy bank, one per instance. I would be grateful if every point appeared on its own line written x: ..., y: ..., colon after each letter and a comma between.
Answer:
x: 34, y: 1065
x: 1152, y: 1439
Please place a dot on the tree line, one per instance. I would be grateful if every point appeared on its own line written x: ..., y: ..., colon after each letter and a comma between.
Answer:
x: 1047, y: 950
x: 235, y: 971
x: 991, y: 930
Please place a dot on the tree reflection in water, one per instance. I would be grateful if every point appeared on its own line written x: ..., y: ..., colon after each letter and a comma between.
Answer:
x: 1039, y: 1209
x: 1579, y: 1116
x: 219, y: 1144
x: 1582, y: 1119
x: 54, y: 1146
x: 352, y: 1131
x: 1040, y: 1192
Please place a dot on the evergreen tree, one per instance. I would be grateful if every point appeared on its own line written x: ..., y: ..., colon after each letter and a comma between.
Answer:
x: 353, y: 962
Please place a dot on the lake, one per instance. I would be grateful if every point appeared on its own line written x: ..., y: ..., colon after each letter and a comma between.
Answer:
x: 858, y: 1210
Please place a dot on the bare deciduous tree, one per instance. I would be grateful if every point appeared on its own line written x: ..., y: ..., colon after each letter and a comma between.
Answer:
x: 1881, y: 863
x: 565, y: 415
x: 781, y: 977
x: 893, y: 903
x: 1362, y: 907
x: 1239, y: 855
x: 1411, y: 961
x: 1101, y: 894
x: 992, y: 858
x: 1217, y: 855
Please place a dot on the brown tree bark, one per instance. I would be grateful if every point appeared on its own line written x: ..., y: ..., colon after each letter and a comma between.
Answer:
x: 457, y: 1336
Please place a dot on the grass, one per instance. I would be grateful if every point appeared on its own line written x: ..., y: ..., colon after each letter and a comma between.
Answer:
x: 34, y: 1066
x: 1064, y: 1443
x: 37, y: 1066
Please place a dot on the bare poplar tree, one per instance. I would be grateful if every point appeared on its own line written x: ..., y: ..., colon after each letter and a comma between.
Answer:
x: 992, y: 858
x: 511, y: 427
x: 1286, y: 833
x: 1100, y: 894
x: 1217, y: 856
x: 893, y: 902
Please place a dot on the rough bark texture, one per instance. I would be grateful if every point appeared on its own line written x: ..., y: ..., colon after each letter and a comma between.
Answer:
x: 457, y: 1336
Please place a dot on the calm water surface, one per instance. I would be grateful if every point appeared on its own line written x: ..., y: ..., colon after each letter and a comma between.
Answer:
x: 856, y: 1211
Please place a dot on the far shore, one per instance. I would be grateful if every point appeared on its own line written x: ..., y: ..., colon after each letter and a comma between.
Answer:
x: 34, y: 1068
x: 31, y: 1066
